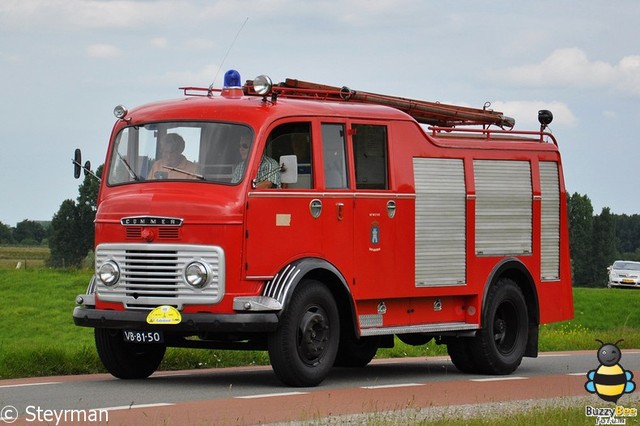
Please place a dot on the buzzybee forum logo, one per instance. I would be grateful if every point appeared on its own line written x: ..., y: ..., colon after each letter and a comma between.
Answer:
x: 609, y: 381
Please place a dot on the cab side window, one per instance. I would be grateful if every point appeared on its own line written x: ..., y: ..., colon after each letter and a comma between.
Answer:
x: 293, y: 139
x: 334, y: 155
x: 370, y: 155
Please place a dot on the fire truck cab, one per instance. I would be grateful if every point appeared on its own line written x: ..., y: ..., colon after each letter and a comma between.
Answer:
x: 317, y: 223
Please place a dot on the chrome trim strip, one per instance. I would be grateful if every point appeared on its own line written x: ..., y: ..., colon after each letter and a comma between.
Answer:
x: 256, y: 304
x: 421, y: 328
x: 325, y: 194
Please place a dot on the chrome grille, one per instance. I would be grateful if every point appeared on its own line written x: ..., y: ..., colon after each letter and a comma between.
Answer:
x: 152, y: 274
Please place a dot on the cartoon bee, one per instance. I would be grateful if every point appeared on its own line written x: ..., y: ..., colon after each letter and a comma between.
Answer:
x: 609, y: 381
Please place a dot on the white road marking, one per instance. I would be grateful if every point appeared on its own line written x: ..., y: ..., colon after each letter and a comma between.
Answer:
x: 400, y: 385
x: 270, y: 395
x: 134, y: 406
x: 553, y: 355
x: 30, y: 384
x: 498, y: 379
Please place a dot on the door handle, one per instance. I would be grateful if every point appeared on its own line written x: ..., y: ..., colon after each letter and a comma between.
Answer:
x: 340, y: 210
x: 315, y: 207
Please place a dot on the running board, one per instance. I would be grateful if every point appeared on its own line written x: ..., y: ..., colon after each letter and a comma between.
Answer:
x: 421, y: 328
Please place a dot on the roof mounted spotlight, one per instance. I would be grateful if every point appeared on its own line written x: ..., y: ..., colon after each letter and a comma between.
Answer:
x: 262, y: 85
x: 545, y: 118
x: 120, y: 112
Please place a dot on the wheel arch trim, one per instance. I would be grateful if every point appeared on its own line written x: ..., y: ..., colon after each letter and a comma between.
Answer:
x: 514, y: 269
x: 284, y: 283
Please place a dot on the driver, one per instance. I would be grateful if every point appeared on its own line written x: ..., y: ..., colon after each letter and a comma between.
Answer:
x: 171, y: 163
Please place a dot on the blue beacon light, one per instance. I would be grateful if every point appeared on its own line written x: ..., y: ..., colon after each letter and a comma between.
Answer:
x: 232, y: 87
x: 232, y: 79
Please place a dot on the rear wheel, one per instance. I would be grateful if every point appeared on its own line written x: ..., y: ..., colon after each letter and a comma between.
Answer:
x: 303, y: 348
x: 499, y: 346
x: 127, y: 360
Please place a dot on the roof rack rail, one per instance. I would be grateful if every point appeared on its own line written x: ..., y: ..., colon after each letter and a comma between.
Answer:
x: 433, y: 113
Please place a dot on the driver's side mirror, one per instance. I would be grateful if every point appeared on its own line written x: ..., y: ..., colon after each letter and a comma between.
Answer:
x: 289, y: 169
x: 78, y: 167
x: 77, y: 163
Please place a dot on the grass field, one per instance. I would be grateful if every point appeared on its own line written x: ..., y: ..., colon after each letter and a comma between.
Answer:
x: 38, y: 337
x: 26, y: 256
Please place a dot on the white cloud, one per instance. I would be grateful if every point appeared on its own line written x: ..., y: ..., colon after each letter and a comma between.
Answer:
x: 159, y: 42
x: 202, y: 77
x: 200, y: 44
x: 526, y: 113
x: 103, y: 51
x: 570, y: 67
x: 74, y: 15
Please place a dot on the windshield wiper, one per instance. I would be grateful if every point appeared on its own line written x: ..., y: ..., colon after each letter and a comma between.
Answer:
x: 129, y: 169
x: 195, y: 175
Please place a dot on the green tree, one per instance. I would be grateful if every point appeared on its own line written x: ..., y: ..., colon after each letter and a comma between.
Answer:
x: 87, y: 206
x: 65, y: 233
x: 604, y: 246
x: 627, y: 233
x: 6, y: 234
x: 580, y: 212
x: 29, y: 232
x: 72, y: 227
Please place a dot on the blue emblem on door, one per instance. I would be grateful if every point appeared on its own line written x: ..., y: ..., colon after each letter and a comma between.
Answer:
x: 375, y: 234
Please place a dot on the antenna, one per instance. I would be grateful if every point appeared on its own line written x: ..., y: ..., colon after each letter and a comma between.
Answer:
x: 227, y: 54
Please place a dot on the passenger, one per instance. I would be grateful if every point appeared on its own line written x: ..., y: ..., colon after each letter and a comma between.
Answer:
x: 268, y: 173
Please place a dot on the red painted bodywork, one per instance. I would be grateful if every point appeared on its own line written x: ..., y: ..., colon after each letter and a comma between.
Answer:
x: 241, y: 220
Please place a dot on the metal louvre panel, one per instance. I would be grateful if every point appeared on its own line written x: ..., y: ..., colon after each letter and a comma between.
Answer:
x: 550, y: 233
x: 152, y: 275
x: 503, y: 207
x: 440, y: 226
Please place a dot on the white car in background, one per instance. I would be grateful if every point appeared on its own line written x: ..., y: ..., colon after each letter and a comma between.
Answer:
x: 624, y: 273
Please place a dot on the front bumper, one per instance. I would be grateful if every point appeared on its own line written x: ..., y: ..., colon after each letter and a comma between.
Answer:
x: 251, y: 322
x: 620, y: 283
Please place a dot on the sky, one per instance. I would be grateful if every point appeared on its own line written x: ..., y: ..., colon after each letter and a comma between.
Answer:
x: 65, y: 64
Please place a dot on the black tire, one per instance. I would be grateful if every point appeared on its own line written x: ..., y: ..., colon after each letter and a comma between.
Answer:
x: 499, y: 346
x: 127, y: 360
x: 303, y: 348
x: 460, y: 354
x: 354, y: 352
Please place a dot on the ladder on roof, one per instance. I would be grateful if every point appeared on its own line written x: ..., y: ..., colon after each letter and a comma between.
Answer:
x: 433, y: 113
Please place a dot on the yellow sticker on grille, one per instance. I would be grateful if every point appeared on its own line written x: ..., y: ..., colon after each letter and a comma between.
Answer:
x: 164, y: 315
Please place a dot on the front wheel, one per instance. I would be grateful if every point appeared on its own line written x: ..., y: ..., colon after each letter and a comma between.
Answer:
x: 127, y: 360
x: 303, y: 348
x: 500, y: 346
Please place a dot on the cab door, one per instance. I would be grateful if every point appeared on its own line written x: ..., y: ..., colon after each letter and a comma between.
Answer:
x: 280, y: 222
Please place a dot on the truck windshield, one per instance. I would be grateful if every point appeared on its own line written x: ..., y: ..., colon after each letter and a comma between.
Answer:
x: 201, y: 151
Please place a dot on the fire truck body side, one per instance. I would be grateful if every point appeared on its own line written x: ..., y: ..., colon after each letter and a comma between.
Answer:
x: 388, y: 230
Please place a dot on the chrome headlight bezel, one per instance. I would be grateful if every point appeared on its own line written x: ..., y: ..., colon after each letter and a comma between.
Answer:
x: 109, y: 273
x: 198, y: 274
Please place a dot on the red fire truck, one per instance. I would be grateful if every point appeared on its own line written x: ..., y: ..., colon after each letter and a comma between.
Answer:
x: 320, y: 223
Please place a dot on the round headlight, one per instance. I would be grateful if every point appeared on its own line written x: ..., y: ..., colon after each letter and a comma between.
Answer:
x: 262, y: 85
x: 109, y: 273
x: 196, y: 274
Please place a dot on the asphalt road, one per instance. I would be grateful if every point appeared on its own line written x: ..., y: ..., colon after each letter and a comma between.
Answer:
x: 253, y: 395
